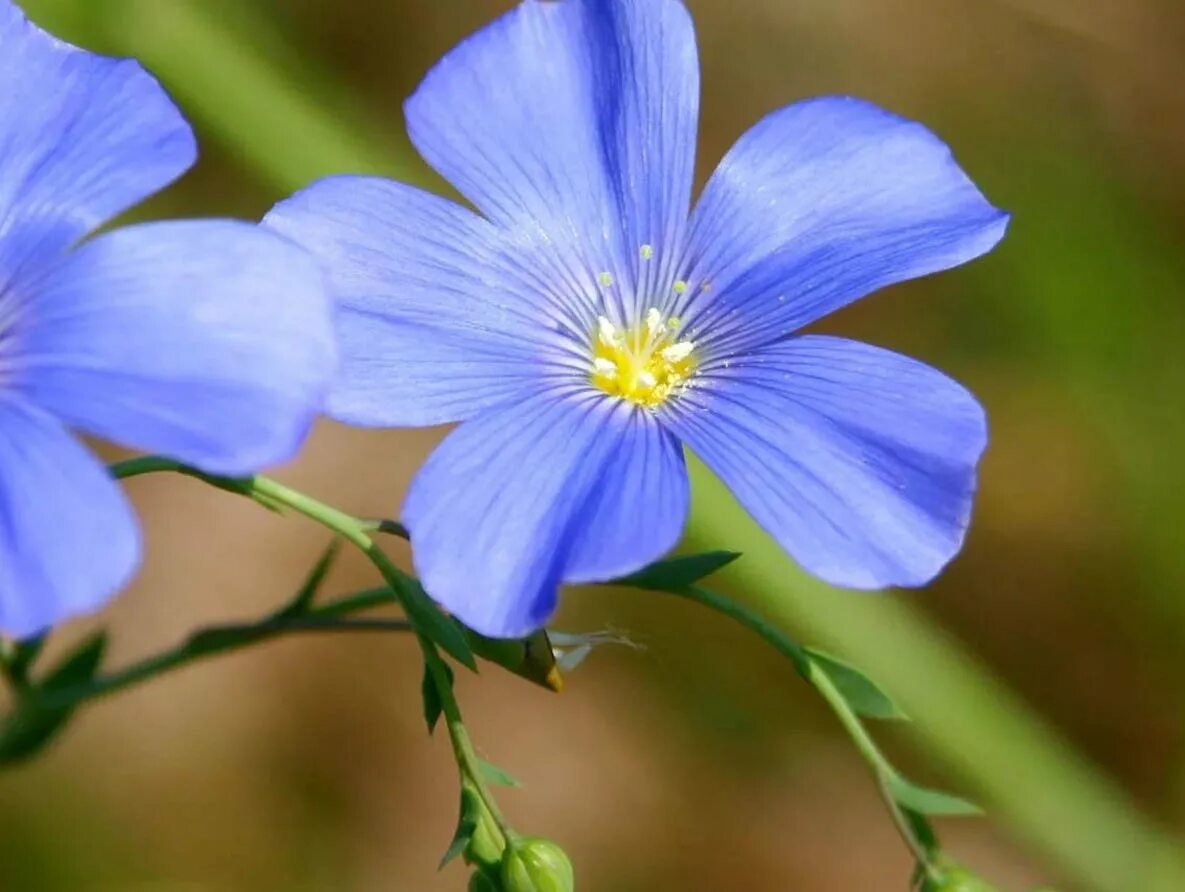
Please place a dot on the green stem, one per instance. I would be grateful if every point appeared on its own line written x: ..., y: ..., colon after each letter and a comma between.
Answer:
x: 218, y: 640
x: 406, y: 589
x: 882, y: 769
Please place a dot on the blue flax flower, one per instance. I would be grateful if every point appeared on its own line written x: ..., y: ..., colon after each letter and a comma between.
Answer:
x: 210, y: 341
x: 589, y: 322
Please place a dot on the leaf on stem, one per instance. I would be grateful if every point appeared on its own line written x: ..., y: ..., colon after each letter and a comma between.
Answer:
x: 496, y: 775
x: 304, y: 598
x: 471, y: 812
x: 677, y: 573
x: 433, y: 702
x: 862, y: 694
x: 32, y: 726
x: 924, y: 801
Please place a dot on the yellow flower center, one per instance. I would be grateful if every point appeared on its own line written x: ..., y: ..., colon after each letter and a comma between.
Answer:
x: 644, y: 365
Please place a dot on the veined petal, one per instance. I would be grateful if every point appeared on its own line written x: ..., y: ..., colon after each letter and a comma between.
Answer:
x: 434, y: 324
x: 565, y: 486
x: 83, y: 137
x: 209, y: 341
x: 820, y: 204
x: 573, y: 124
x: 68, y: 539
x: 859, y: 462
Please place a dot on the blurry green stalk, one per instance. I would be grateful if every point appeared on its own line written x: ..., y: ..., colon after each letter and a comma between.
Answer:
x: 997, y: 747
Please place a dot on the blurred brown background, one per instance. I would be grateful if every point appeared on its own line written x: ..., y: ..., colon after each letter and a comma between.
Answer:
x: 699, y: 762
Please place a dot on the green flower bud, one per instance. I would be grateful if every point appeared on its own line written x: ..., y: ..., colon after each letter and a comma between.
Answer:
x: 537, y: 865
x: 479, y: 882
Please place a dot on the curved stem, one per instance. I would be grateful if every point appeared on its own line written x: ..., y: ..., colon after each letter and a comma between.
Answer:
x: 272, y: 493
x: 882, y: 769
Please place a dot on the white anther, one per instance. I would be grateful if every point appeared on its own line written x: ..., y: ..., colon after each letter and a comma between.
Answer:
x: 608, y: 331
x: 653, y: 320
x: 605, y: 367
x: 678, y: 352
x: 646, y: 379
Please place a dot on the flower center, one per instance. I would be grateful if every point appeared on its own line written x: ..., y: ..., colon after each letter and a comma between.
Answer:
x: 644, y: 365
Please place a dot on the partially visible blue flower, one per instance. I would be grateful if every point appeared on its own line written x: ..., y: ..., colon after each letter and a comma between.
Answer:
x: 209, y: 341
x: 590, y: 322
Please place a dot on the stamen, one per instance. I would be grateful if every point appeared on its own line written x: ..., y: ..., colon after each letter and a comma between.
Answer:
x: 653, y: 320
x: 606, y: 280
x: 680, y: 286
x: 678, y: 352
x: 647, y: 252
x: 644, y: 365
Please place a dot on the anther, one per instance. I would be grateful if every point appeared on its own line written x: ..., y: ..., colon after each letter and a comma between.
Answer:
x: 606, y: 280
x: 678, y: 352
x: 653, y: 320
x: 647, y: 252
x: 605, y: 367
x: 680, y: 287
x: 608, y: 331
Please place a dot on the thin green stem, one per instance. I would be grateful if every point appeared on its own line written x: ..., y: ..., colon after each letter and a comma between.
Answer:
x: 882, y: 769
x: 357, y: 532
x: 219, y: 640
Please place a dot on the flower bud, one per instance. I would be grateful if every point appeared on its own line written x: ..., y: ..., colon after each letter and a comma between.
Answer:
x: 537, y: 865
x: 480, y: 882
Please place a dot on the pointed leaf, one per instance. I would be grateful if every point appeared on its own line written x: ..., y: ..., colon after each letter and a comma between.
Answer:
x: 304, y: 598
x: 678, y: 573
x: 466, y: 824
x: 433, y: 702
x: 496, y: 775
x: 925, y: 801
x: 862, y: 693
x: 430, y: 621
x: 28, y: 729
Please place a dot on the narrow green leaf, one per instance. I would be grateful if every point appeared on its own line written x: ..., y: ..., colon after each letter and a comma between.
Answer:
x: 466, y: 824
x: 432, y: 622
x: 24, y: 654
x: 862, y: 693
x: 675, y: 574
x: 496, y: 775
x: 929, y: 802
x: 304, y: 598
x: 433, y: 702
x: 30, y: 727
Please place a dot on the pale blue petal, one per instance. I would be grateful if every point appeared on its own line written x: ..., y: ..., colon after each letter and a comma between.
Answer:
x: 209, y: 341
x: 434, y: 321
x: 68, y: 539
x: 82, y: 138
x: 859, y: 462
x: 543, y: 491
x: 572, y: 124
x: 820, y: 204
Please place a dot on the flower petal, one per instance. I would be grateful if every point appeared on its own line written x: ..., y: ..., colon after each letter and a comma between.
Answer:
x: 564, y: 486
x: 68, y: 539
x: 83, y: 137
x: 209, y: 341
x: 573, y: 124
x: 433, y: 324
x: 859, y: 462
x: 820, y: 204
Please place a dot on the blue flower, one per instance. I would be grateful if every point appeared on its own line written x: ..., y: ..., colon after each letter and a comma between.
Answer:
x: 210, y: 341
x: 590, y: 322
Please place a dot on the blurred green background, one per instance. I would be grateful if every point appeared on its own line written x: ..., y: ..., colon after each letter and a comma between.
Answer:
x: 1045, y: 670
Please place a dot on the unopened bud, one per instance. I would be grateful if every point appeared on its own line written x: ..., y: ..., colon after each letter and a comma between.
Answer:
x: 537, y: 865
x: 479, y: 882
